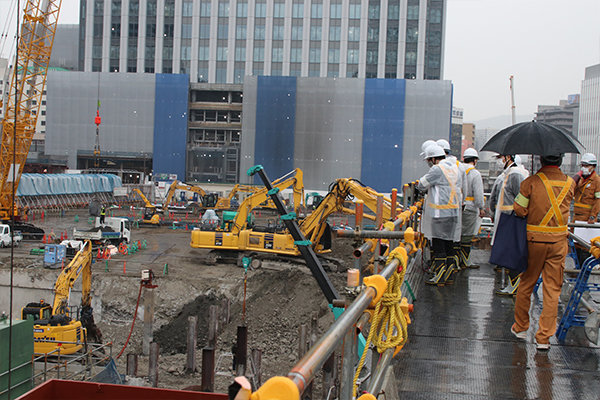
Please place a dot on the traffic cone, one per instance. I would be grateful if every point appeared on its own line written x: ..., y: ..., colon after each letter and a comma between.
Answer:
x: 44, y: 239
x: 99, y: 255
x: 124, y: 267
x: 62, y: 237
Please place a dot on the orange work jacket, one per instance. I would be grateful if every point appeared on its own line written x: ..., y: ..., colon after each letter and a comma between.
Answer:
x: 544, y: 199
x: 587, y: 197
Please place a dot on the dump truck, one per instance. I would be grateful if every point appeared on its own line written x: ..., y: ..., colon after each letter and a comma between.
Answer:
x: 114, y: 230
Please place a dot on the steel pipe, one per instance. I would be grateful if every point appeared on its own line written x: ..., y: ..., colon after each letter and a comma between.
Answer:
x: 584, y: 243
x: 378, y: 375
x: 304, y: 371
x: 583, y: 225
x: 372, y: 234
x: 366, y: 246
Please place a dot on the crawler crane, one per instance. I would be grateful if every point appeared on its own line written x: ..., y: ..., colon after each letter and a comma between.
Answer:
x: 27, y: 85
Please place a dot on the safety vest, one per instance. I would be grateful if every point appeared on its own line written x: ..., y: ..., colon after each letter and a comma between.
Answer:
x: 578, y: 202
x: 102, y: 211
x: 554, y: 210
x: 501, y: 206
x: 469, y: 199
x: 452, y: 199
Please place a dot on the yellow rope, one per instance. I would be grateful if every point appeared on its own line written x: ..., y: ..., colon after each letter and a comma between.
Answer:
x: 388, y: 328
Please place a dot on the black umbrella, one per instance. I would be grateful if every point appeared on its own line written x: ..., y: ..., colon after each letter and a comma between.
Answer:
x: 533, y: 138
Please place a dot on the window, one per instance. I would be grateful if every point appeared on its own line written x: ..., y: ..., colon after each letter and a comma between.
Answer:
x: 259, y: 54
x: 99, y: 7
x: 412, y: 34
x: 221, y: 53
x: 186, y: 31
x: 316, y: 10
x: 151, y: 8
x: 223, y: 9
x: 372, y: 56
x: 114, y: 51
x: 133, y: 30
x: 205, y: 9
x: 296, y: 32
x: 115, y: 30
x: 391, y: 57
x: 353, y: 33
x: 188, y: 8
x: 167, y: 52
x: 203, y: 53
x: 296, y: 54
x: 279, y: 10
x: 334, y: 56
x: 186, y: 52
x: 132, y: 51
x: 168, y: 30
x: 373, y: 33
x: 315, y: 55
x: 240, y: 54
x: 435, y: 15
x: 277, y: 54
x: 169, y: 8
x: 222, y: 30
x: 315, y: 32
x: 242, y: 10
x: 259, y: 32
x: 297, y: 10
x: 260, y: 10
x: 204, y: 31
x: 354, y: 11
x: 97, y: 51
x: 392, y: 34
x: 411, y: 58
x: 352, y: 56
x: 115, y: 7
x: 335, y: 10
x: 278, y: 32
x: 133, y: 7
x: 374, y: 11
x: 393, y: 11
x: 434, y: 38
x: 335, y: 33
x: 240, y: 32
x: 412, y: 12
x: 151, y: 30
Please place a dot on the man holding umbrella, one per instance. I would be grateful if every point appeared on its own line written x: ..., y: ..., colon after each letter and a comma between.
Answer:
x: 544, y: 199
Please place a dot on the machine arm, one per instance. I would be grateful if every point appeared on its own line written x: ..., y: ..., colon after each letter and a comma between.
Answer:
x: 79, y: 266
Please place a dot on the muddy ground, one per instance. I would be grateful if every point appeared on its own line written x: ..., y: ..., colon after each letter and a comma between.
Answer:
x: 281, y: 296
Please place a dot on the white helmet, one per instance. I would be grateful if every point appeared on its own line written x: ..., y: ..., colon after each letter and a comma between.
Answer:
x: 443, y: 143
x: 518, y: 160
x: 470, y: 153
x: 589, y: 158
x: 425, y: 145
x: 434, y: 150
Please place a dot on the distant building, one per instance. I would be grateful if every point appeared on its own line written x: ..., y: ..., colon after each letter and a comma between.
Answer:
x: 565, y: 115
x: 456, y: 131
x: 218, y: 41
x: 468, y: 136
x: 589, y: 110
x: 65, y: 49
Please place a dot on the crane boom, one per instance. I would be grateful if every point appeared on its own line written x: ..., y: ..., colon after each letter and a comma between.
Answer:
x: 28, y: 80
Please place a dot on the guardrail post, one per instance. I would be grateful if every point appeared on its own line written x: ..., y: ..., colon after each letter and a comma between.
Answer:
x: 153, y: 364
x: 132, y: 364
x: 192, y: 341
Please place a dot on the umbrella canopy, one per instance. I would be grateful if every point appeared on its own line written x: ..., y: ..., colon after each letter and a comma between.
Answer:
x: 533, y: 138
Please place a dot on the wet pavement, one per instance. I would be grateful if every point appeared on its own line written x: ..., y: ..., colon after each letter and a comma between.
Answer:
x: 460, y: 347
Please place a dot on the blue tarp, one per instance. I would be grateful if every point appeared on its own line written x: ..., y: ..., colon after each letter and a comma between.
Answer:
x: 55, y: 184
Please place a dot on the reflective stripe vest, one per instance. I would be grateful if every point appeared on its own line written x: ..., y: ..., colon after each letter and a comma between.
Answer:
x: 554, y: 210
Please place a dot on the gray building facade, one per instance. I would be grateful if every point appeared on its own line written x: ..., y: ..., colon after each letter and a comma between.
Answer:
x: 221, y: 41
x: 589, y: 110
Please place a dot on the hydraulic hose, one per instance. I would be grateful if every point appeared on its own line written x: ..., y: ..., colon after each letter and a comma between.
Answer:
x: 133, y: 322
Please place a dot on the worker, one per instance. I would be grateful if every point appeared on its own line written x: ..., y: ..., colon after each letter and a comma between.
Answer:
x: 102, y: 214
x: 505, y: 189
x: 544, y: 199
x: 587, y: 191
x: 443, y: 143
x: 587, y: 197
x: 473, y: 209
x: 441, y: 220
x: 425, y: 145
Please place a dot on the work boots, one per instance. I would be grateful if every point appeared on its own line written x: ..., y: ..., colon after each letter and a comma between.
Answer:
x: 511, y: 288
x: 452, y: 269
x: 439, y: 271
x: 465, y: 252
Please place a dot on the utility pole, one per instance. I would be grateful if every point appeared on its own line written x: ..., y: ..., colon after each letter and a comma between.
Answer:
x: 512, y: 99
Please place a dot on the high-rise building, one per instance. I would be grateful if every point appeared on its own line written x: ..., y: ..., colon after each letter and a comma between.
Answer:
x: 221, y: 41
x: 589, y: 110
x: 565, y: 116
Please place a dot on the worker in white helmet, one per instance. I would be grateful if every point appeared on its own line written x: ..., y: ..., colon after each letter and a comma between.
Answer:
x: 587, y: 197
x: 473, y: 209
x: 441, y: 220
x: 425, y: 145
x: 443, y: 143
x: 506, y: 188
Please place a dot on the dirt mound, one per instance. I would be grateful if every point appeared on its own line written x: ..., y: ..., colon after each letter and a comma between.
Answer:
x: 172, y: 337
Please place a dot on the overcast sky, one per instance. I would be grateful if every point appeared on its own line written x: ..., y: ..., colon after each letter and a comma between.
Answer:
x: 545, y: 44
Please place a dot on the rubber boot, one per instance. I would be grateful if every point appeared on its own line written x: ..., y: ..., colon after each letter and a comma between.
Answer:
x: 436, y: 264
x: 511, y: 288
x: 465, y: 252
x: 451, y: 270
x: 438, y: 275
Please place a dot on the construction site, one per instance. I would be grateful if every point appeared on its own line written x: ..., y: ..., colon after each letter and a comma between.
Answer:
x: 117, y: 283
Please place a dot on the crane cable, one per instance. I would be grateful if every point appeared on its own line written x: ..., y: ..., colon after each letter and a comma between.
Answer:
x: 389, y: 326
x: 132, y: 322
x: 8, y: 27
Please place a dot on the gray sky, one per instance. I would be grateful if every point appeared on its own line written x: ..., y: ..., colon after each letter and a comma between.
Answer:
x: 545, y: 44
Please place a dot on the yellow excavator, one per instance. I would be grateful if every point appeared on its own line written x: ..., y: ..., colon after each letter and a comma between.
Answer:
x: 232, y: 234
x: 59, y: 326
x: 151, y: 214
x: 314, y: 227
x: 207, y: 200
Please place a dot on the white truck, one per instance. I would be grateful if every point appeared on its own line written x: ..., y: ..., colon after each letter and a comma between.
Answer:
x: 114, y: 230
x: 5, y: 236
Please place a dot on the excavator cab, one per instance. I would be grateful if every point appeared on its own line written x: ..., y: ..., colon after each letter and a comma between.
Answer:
x: 39, y: 312
x: 209, y: 200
